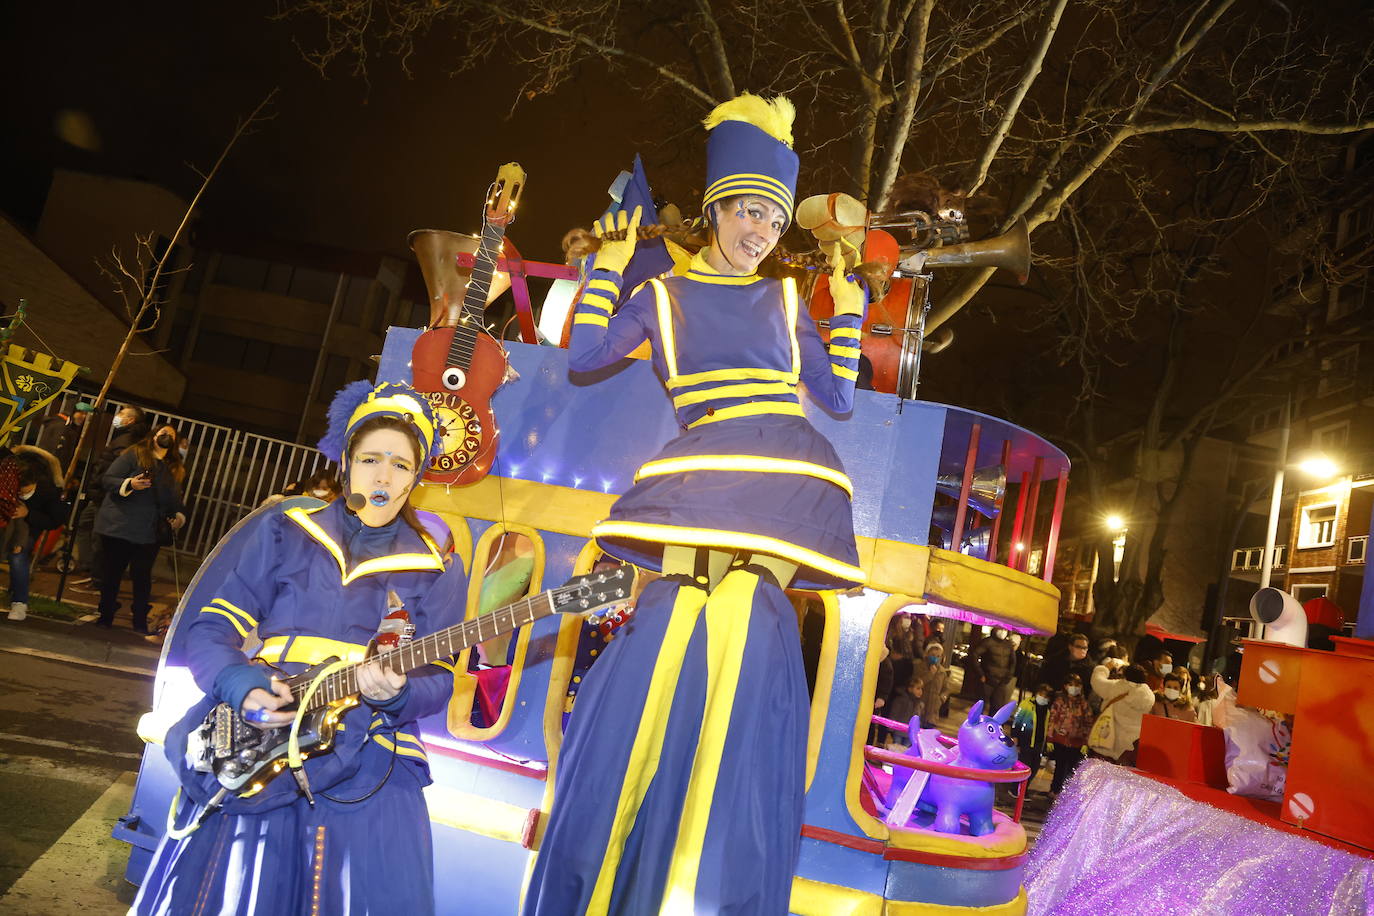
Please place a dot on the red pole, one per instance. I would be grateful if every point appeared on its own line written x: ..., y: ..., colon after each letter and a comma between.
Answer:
x: 1014, y: 555
x: 1028, y: 533
x: 1053, y: 547
x: 1001, y: 498
x: 970, y: 459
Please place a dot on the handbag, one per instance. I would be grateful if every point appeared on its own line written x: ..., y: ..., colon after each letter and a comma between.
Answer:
x: 1102, y: 738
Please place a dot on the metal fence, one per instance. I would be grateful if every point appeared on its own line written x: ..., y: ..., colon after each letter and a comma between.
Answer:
x: 228, y: 472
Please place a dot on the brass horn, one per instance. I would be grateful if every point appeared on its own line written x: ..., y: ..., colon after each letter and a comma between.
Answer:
x: 437, y: 251
x: 989, y: 485
x: 1009, y: 251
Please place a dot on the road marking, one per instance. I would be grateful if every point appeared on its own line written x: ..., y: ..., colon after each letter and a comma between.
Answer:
x: 73, y: 660
x: 66, y: 746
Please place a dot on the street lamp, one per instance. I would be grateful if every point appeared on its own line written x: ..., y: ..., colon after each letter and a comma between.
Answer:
x: 1318, y: 466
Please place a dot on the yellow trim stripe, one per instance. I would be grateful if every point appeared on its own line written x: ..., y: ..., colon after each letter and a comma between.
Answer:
x: 665, y: 327
x: 394, y: 563
x: 789, y: 307
x: 418, y: 754
x: 644, y: 753
x: 309, y: 650
x: 732, y: 375
x: 749, y: 463
x: 211, y: 609
x: 732, y: 391
x: 789, y: 408
x: 592, y: 318
x: 845, y: 352
x: 752, y: 176
x: 842, y: 372
x: 242, y: 614
x: 723, y: 279
x: 817, y: 898
x: 851, y: 333
x: 737, y: 540
x: 597, y: 301
x: 727, y: 627
x: 603, y: 285
x: 396, y: 403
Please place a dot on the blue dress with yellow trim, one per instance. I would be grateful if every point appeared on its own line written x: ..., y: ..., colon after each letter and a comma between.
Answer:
x: 680, y: 782
x: 313, y: 583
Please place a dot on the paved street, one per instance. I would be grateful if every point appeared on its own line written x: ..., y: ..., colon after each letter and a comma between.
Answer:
x: 67, y: 756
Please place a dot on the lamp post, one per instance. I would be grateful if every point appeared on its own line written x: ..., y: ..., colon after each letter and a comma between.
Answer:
x: 1276, y: 500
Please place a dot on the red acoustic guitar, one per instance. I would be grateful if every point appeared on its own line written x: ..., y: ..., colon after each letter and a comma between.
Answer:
x: 459, y: 365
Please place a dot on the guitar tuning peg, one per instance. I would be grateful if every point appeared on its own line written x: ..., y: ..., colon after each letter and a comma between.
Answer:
x: 620, y: 593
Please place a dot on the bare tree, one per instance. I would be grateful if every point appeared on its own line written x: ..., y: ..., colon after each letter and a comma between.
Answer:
x: 139, y: 279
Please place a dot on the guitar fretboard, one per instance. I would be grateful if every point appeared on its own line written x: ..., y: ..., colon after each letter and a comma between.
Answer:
x: 344, y: 682
x: 473, y: 319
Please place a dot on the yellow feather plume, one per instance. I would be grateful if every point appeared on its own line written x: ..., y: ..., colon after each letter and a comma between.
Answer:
x: 774, y: 117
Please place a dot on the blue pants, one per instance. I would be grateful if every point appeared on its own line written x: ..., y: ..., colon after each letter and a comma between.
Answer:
x: 20, y: 566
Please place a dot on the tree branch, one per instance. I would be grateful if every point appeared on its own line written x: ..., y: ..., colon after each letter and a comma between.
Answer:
x: 719, y: 59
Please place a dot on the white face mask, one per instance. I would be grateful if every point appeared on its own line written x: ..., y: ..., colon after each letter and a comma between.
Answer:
x: 119, y: 423
x: 1171, y: 693
x: 999, y: 634
x: 1074, y: 691
x: 1165, y: 668
x: 1042, y: 701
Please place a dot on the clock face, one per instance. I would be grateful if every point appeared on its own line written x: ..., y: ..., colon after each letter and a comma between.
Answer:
x: 459, y: 432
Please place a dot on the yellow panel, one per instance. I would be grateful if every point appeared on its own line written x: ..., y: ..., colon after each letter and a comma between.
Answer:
x: 1015, y: 907
x: 988, y: 588
x: 476, y: 814
x: 1009, y: 839
x: 816, y: 898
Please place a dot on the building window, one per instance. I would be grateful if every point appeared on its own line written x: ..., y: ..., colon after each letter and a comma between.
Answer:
x: 1338, y: 371
x: 1318, y: 526
x: 1266, y: 420
x: 1280, y: 556
x: 1356, y: 548
x: 1305, y: 593
x: 1331, y: 438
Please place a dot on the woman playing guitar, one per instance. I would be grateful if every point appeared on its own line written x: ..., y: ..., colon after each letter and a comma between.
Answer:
x: 351, y: 833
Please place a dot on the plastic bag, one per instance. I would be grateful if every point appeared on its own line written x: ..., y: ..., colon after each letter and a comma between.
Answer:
x: 1257, y: 747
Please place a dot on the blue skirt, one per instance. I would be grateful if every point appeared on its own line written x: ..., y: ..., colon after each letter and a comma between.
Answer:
x: 372, y: 857
x: 798, y: 516
x: 682, y: 774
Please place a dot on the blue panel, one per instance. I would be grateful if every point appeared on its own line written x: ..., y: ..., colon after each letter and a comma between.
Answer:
x: 476, y: 874
x: 832, y: 864
x: 952, y: 886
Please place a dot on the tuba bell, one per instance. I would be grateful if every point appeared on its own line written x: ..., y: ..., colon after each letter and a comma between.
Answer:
x: 1009, y: 251
x: 437, y: 251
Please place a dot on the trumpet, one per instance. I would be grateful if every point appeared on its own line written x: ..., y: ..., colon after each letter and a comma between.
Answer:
x: 1009, y: 251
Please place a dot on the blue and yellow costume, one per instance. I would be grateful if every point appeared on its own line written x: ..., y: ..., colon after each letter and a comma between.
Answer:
x: 680, y: 782
x: 313, y: 582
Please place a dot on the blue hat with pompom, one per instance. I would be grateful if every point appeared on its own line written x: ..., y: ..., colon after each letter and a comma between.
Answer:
x: 360, y: 401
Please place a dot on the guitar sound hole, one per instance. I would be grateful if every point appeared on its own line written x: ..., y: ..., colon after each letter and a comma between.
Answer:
x: 454, y: 378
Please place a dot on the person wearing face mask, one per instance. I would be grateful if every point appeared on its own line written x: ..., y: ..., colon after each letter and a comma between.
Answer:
x: 1157, y: 669
x: 1126, y: 700
x: 930, y: 671
x: 143, y: 492
x: 40, y: 509
x: 127, y: 427
x: 1170, y: 701
x: 1028, y: 727
x: 749, y: 499
x: 1070, y: 658
x: 1067, y: 730
x: 314, y: 581
x: 995, y: 658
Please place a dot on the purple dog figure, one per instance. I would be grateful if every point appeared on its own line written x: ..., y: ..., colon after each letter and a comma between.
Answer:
x: 982, y: 746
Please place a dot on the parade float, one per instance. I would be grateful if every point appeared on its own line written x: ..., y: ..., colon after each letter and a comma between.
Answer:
x: 957, y: 516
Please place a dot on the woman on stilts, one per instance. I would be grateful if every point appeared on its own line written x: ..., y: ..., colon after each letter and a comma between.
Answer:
x: 680, y: 784
x: 314, y: 583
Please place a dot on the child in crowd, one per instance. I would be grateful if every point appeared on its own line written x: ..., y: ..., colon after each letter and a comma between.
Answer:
x: 1028, y: 727
x: 1070, y: 720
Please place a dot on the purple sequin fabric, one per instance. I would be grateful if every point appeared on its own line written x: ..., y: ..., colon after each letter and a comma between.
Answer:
x: 1118, y: 842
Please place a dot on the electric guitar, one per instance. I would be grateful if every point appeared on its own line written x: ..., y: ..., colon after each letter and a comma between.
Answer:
x: 459, y: 365
x: 243, y: 758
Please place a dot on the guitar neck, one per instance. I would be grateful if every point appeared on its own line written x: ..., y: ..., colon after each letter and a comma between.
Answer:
x: 420, y: 652
x: 474, y: 315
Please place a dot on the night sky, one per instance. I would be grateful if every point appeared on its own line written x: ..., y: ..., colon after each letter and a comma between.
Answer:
x: 346, y: 162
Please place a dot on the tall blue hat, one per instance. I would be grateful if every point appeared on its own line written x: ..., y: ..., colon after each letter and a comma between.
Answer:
x: 750, y: 151
x: 360, y: 401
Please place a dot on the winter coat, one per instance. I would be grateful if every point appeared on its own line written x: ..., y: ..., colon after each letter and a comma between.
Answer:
x: 996, y: 659
x: 46, y: 509
x: 133, y: 516
x: 1136, y: 700
x: 1173, y: 709
x: 933, y: 679
x: 1071, y: 718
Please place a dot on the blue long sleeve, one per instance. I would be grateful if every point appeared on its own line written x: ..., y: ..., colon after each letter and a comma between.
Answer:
x: 830, y: 373
x: 599, y: 338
